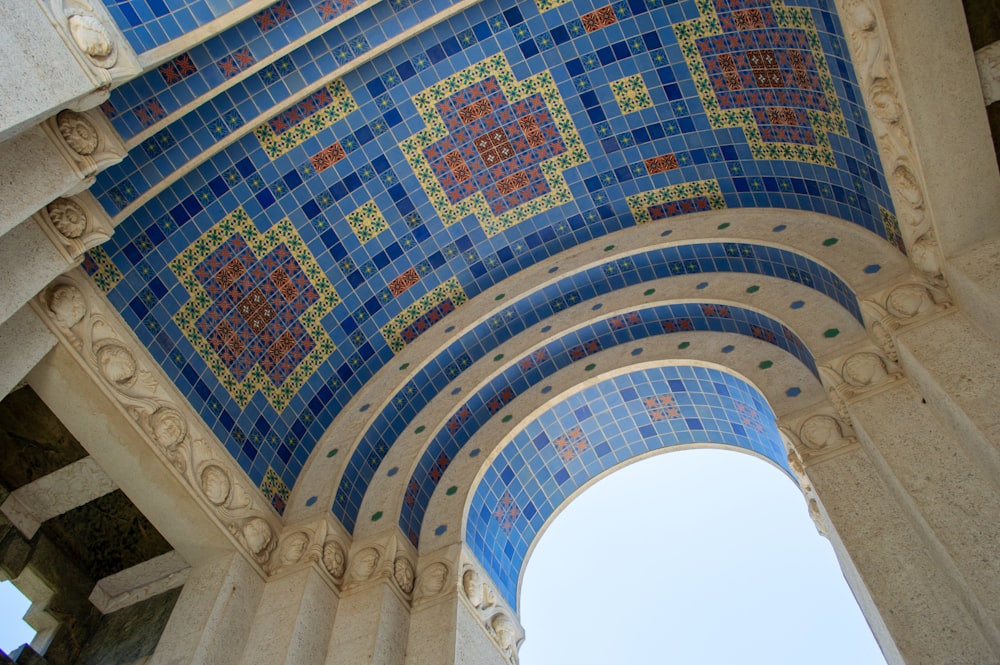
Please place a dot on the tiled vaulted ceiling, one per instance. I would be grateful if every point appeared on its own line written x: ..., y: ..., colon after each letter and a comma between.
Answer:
x: 314, y: 189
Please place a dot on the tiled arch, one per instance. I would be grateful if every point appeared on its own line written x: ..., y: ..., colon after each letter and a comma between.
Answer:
x: 592, y: 432
x: 576, y: 288
x: 576, y: 346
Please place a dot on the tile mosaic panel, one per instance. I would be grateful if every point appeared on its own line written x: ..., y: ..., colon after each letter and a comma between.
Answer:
x: 316, y: 196
x: 531, y: 478
x: 494, y: 147
x: 309, y: 117
x: 759, y: 65
x: 256, y: 308
x: 676, y: 200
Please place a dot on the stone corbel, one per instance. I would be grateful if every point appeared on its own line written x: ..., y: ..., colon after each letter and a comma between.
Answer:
x: 87, y: 141
x: 75, y: 224
x: 105, y: 348
x: 814, y: 437
x: 497, y: 619
x: 899, y: 307
x: 96, y: 42
x: 436, y: 577
x: 877, y: 75
x: 387, y: 557
x: 863, y: 371
x: 319, y: 544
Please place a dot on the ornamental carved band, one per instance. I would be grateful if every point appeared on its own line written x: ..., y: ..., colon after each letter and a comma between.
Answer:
x: 494, y: 147
x: 256, y: 308
x: 758, y: 65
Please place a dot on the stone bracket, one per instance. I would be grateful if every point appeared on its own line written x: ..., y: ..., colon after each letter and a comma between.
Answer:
x: 75, y: 224
x: 87, y: 141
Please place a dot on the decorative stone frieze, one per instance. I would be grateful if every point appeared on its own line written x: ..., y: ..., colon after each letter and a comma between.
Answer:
x: 385, y: 558
x: 75, y: 224
x: 432, y: 581
x: 877, y: 75
x: 497, y: 619
x: 901, y: 306
x: 87, y: 141
x: 104, y: 347
x: 814, y: 436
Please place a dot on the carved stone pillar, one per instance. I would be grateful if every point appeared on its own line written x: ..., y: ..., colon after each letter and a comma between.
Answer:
x: 24, y: 341
x: 374, y: 612
x: 211, y: 622
x: 911, y: 505
x: 457, y: 618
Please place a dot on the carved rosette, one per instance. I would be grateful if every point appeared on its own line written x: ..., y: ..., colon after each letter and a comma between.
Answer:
x: 75, y: 224
x: 876, y: 70
x: 496, y: 618
x: 91, y: 35
x: 103, y: 345
x: 87, y: 141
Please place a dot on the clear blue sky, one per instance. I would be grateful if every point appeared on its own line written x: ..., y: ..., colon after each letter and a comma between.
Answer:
x: 689, y: 558
x: 698, y: 557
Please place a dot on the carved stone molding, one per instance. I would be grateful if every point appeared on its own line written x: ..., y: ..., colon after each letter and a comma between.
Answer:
x: 387, y: 558
x: 496, y: 618
x: 814, y: 437
x: 75, y: 224
x: 95, y: 40
x: 863, y: 371
x: 87, y: 141
x: 319, y: 544
x: 877, y: 75
x: 901, y: 306
x: 104, y: 347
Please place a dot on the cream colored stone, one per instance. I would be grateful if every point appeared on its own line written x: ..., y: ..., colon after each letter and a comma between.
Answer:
x: 24, y: 341
x: 988, y: 62
x: 142, y: 581
x: 56, y: 493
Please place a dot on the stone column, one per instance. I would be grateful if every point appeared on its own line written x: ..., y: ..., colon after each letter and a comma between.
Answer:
x: 458, y: 617
x: 912, y: 510
x: 211, y: 622
x: 293, y: 621
x: 374, y: 612
x: 24, y: 341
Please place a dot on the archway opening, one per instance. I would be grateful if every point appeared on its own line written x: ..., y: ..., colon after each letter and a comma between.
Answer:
x: 693, y: 557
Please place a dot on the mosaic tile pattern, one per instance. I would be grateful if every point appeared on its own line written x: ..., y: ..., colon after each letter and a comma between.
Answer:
x: 367, y: 221
x: 275, y: 490
x: 600, y: 280
x: 309, y: 117
x: 98, y: 265
x: 315, y: 184
x: 631, y: 94
x: 495, y: 147
x: 531, y: 478
x: 676, y: 200
x: 579, y: 345
x: 759, y: 65
x: 256, y: 308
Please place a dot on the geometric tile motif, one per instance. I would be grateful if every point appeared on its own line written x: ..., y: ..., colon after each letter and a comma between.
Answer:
x: 546, y: 5
x: 177, y: 69
x: 631, y: 94
x: 421, y: 315
x: 256, y: 308
x: 493, y: 146
x: 367, y: 221
x: 506, y: 512
x: 661, y: 407
x: 661, y: 163
x: 749, y: 416
x: 275, y: 490
x: 599, y: 18
x: 304, y: 120
x: 759, y: 65
x: 571, y: 444
x: 99, y: 267
x: 688, y: 197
